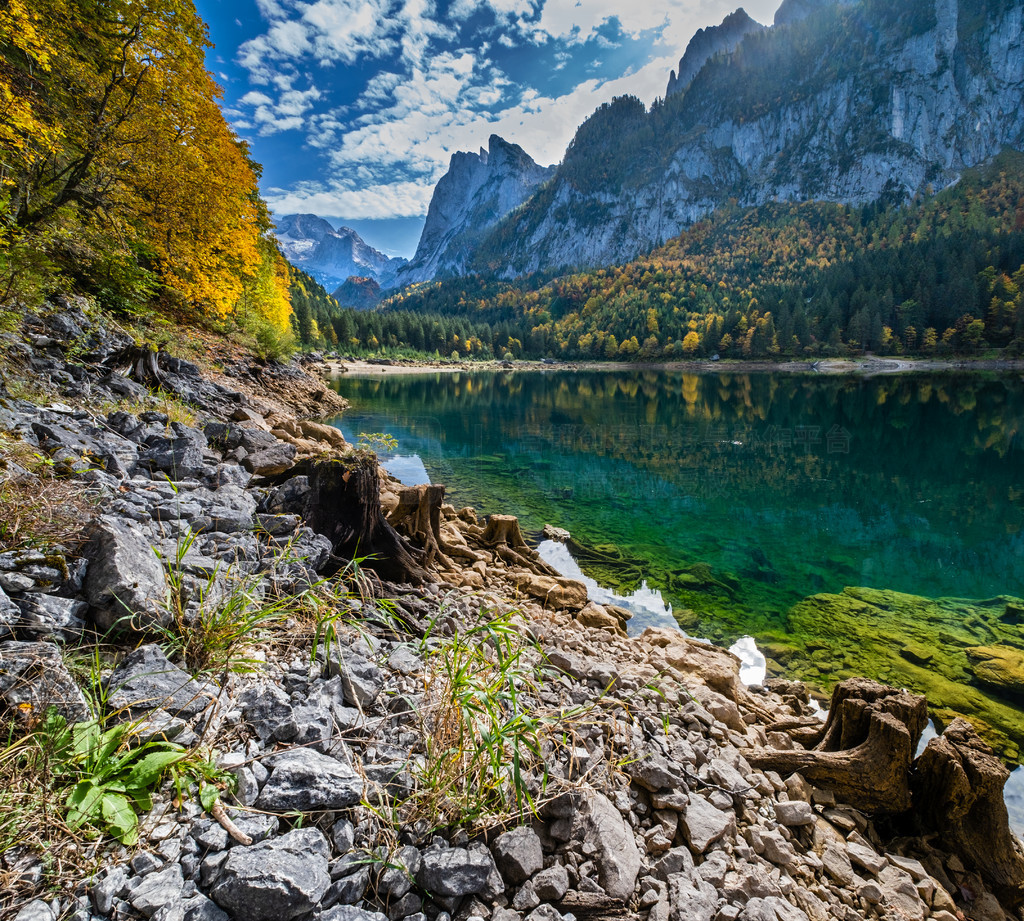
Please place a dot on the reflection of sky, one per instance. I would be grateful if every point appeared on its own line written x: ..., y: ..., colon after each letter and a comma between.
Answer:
x: 408, y: 469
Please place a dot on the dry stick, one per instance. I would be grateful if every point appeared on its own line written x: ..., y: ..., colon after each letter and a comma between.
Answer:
x: 218, y: 812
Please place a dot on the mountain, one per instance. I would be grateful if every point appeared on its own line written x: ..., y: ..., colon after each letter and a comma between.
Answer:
x: 359, y: 292
x: 844, y: 102
x: 330, y: 255
x: 706, y: 43
x: 476, y: 192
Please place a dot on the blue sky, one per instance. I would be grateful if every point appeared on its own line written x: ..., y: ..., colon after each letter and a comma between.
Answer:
x: 354, y: 107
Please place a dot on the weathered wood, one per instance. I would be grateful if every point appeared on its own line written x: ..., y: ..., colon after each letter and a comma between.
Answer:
x: 503, y: 535
x: 958, y: 792
x: 343, y: 504
x: 418, y: 517
x: 865, y: 750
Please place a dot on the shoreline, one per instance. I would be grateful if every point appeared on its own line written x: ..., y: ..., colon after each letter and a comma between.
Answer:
x: 861, y: 367
x: 659, y: 786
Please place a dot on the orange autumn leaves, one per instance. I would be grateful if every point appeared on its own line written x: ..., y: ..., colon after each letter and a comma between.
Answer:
x: 111, y: 125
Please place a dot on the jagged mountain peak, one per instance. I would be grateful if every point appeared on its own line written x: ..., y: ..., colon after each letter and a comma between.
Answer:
x: 851, y: 101
x: 477, y: 191
x: 706, y: 43
x: 331, y: 256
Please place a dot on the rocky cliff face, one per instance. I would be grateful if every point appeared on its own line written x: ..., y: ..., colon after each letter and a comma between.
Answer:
x: 330, y: 255
x: 708, y: 42
x: 839, y: 102
x: 477, y: 191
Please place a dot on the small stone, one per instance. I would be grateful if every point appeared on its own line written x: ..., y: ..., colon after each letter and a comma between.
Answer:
x: 703, y: 824
x: 274, y: 880
x: 303, y: 780
x: 157, y: 890
x: 518, y: 854
x: 36, y: 910
x: 794, y: 813
x: 551, y: 884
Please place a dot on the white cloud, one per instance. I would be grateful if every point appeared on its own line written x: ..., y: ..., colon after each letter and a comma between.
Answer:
x: 401, y: 199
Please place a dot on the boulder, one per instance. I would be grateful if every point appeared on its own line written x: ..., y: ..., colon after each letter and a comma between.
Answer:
x: 125, y: 580
x: 146, y: 680
x: 50, y: 617
x: 598, y: 616
x: 180, y: 457
x: 605, y: 834
x: 717, y: 668
x: 303, y: 780
x: 270, y: 461
x: 33, y: 678
x: 691, y: 898
x: 275, y: 880
x: 453, y: 872
x: 703, y: 824
x: 553, y: 591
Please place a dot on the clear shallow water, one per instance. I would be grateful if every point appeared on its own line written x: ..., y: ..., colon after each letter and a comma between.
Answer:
x: 797, y: 484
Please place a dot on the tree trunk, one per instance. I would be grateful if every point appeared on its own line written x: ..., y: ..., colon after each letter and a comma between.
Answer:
x: 343, y: 504
x: 865, y: 750
x: 958, y: 793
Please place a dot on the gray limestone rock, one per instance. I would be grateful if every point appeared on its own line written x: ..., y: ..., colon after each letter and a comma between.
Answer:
x: 33, y: 678
x: 351, y: 913
x: 794, y: 813
x: 50, y: 617
x: 274, y: 880
x: 518, y: 854
x: 36, y: 910
x: 200, y: 908
x: 453, y: 872
x: 361, y: 679
x: 269, y: 711
x: 303, y: 780
x: 606, y: 835
x: 703, y: 824
x: 180, y: 457
x: 146, y: 680
x: 152, y: 892
x: 772, y: 908
x: 551, y: 884
x: 125, y: 579
x: 691, y: 899
x: 270, y: 461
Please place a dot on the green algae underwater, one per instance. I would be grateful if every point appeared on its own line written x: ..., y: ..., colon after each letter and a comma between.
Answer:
x: 852, y: 525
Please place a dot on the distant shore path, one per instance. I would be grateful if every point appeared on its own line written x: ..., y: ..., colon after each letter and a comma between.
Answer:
x: 866, y: 366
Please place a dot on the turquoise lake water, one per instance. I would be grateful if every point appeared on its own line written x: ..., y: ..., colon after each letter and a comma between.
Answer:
x: 790, y: 484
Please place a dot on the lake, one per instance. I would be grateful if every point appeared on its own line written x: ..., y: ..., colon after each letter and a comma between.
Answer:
x: 851, y: 525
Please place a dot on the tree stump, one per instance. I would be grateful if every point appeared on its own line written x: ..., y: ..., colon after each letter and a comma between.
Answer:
x: 502, y: 534
x: 418, y: 517
x: 958, y: 792
x: 343, y: 504
x: 865, y: 749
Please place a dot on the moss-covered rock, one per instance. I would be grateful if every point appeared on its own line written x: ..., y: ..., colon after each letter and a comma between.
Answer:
x: 962, y: 654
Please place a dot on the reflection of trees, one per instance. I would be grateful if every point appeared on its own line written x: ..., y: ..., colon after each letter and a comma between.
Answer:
x: 941, y: 453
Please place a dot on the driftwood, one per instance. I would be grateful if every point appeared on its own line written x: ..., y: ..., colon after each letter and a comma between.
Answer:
x: 865, y: 747
x: 343, y: 504
x: 958, y: 792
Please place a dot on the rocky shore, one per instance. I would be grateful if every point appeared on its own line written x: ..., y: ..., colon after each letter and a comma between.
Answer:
x: 443, y: 729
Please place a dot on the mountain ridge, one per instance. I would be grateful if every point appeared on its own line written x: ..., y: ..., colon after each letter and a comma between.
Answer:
x: 851, y: 102
x: 332, y: 256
